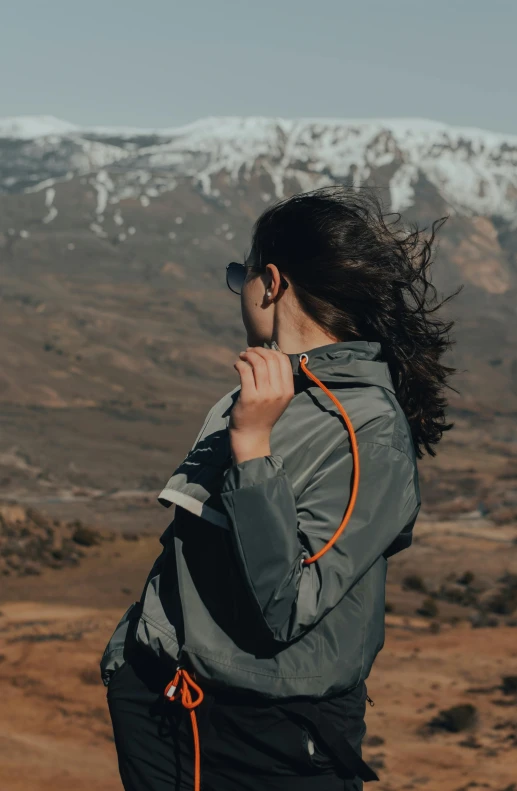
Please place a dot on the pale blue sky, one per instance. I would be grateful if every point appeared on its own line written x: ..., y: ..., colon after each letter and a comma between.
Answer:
x: 164, y: 62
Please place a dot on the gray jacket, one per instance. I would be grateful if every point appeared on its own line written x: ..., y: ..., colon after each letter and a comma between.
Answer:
x: 229, y: 595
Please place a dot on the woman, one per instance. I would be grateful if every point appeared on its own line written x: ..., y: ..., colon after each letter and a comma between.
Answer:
x: 243, y: 665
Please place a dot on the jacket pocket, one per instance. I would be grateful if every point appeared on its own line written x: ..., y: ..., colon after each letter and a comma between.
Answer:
x: 315, y: 756
x: 157, y: 638
x: 115, y: 673
x: 113, y: 657
x: 154, y: 631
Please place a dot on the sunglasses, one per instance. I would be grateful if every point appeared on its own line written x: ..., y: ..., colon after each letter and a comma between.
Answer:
x: 236, y: 275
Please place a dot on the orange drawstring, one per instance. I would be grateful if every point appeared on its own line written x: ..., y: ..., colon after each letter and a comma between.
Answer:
x: 187, y: 683
x: 355, y: 458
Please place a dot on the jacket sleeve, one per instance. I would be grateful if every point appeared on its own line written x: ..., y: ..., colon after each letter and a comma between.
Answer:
x: 273, y: 531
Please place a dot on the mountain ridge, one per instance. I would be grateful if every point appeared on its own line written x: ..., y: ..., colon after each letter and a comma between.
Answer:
x: 475, y: 171
x: 118, y: 330
x: 31, y: 126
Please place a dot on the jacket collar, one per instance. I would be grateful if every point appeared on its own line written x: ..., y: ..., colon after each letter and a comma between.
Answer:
x: 346, y: 362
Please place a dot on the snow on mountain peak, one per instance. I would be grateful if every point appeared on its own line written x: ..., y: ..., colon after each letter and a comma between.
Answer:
x: 27, y: 127
x: 474, y: 170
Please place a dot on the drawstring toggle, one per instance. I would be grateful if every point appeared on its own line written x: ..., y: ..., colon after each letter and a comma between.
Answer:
x: 188, y: 702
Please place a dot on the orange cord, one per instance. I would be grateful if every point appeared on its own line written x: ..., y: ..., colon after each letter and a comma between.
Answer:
x: 187, y: 684
x: 355, y: 458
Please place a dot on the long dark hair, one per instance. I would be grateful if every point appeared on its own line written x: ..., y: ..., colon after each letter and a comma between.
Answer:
x: 361, y: 275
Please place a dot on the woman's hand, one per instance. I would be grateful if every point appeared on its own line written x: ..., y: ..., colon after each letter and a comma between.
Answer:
x: 267, y: 387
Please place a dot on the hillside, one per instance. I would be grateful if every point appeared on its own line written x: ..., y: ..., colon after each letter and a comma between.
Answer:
x: 118, y: 331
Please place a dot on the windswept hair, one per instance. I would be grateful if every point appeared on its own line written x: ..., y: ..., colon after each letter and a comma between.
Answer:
x: 361, y: 275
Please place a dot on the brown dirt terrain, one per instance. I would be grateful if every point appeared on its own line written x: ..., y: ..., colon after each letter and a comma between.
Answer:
x: 55, y: 731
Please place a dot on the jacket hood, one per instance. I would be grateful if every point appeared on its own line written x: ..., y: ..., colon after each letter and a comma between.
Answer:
x: 347, y: 362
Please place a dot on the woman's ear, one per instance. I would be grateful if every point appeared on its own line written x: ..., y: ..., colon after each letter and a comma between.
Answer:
x: 273, y: 274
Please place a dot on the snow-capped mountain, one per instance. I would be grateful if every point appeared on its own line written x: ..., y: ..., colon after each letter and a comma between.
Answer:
x: 169, y: 207
x: 113, y: 246
x: 474, y: 171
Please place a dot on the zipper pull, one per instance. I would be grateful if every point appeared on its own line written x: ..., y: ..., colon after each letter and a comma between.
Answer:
x: 370, y: 701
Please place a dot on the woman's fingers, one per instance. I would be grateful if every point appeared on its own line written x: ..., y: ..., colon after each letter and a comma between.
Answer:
x: 245, y: 371
x: 267, y: 370
x: 260, y: 369
x: 272, y: 369
x: 267, y: 387
x: 285, y: 371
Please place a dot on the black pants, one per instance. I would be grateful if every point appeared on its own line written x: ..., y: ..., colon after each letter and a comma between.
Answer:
x: 245, y: 745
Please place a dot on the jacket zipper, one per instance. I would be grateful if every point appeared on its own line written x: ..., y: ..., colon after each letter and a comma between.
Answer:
x: 370, y: 701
